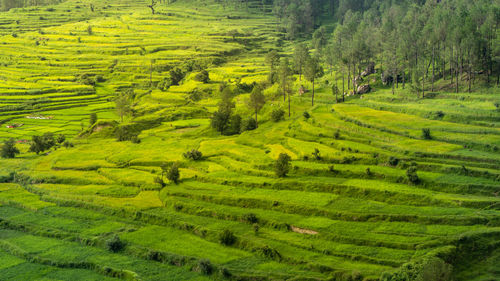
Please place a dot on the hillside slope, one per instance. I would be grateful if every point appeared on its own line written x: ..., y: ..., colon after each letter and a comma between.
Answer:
x: 346, y: 211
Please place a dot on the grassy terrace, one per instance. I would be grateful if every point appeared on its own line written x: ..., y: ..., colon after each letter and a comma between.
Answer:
x: 329, y: 218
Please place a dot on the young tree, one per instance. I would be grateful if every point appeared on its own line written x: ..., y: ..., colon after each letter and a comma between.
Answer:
x: 92, y: 119
x: 152, y: 6
x: 173, y: 174
x: 282, y: 166
x: 257, y: 101
x: 221, y: 118
x: 319, y: 38
x: 42, y: 143
x: 312, y: 71
x: 300, y: 56
x: 123, y: 106
x: 273, y: 60
x: 9, y: 149
x: 285, y: 81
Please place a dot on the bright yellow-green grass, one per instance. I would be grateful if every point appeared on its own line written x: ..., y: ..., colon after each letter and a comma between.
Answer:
x: 345, y: 210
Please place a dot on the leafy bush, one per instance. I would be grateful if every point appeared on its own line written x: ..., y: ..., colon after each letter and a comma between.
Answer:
x: 42, y: 143
x: 336, y: 135
x: 282, y: 166
x: 250, y: 218
x: 193, y: 155
x: 277, y: 115
x: 203, y: 77
x: 316, y: 154
x: 205, y: 267
x: 176, y: 75
x: 411, y: 174
x: 393, y: 161
x: 68, y: 144
x: 173, y: 174
x: 93, y: 118
x: 426, y: 134
x: 114, y: 244
x: 306, y: 115
x: 9, y: 149
x: 60, y: 138
x: 249, y: 125
x: 227, y: 237
x: 269, y: 252
x: 234, y: 125
x: 160, y: 181
x: 124, y: 133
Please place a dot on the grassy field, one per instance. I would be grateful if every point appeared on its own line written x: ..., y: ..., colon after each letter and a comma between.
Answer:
x: 350, y: 215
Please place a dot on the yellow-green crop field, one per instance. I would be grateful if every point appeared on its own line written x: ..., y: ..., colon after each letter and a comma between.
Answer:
x: 348, y: 214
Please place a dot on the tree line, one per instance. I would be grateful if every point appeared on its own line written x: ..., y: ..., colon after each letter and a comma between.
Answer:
x: 455, y: 39
x: 6, y: 5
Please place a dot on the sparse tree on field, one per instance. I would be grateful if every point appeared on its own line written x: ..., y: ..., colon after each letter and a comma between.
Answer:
x: 9, y: 149
x: 285, y: 81
x: 42, y: 143
x: 153, y: 6
x: 273, y: 60
x: 257, y: 101
x: 92, y: 119
x: 312, y: 71
x: 282, y: 165
x: 300, y: 56
x: 123, y: 106
x: 173, y: 174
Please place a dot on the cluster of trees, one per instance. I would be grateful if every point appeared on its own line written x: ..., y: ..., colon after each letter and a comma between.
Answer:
x: 413, y: 41
x: 45, y: 142
x: 6, y: 5
x: 226, y: 122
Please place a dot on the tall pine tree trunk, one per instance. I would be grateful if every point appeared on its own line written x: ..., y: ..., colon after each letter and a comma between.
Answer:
x: 456, y: 74
x: 343, y: 85
x: 433, y: 67
x: 312, y: 102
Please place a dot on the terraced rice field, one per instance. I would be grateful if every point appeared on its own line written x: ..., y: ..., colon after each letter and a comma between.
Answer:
x: 349, y: 215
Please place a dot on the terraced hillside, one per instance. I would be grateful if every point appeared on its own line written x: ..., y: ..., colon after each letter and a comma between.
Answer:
x: 346, y: 211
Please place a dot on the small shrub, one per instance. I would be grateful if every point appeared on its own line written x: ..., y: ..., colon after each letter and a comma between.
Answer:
x: 227, y: 237
x: 225, y: 272
x: 411, y: 174
x: 92, y: 118
x: 89, y: 30
x: 135, y: 139
x: 337, y: 135
x: 393, y: 161
x: 282, y: 166
x: 250, y: 218
x: 426, y: 134
x: 368, y: 172
x: 68, y: 144
x: 277, y: 115
x: 205, y: 267
x: 123, y: 133
x: 269, y: 252
x: 114, y: 244
x: 249, y: 125
x: 9, y: 149
x: 60, y: 139
x: 203, y: 77
x: 173, y: 174
x: 160, y: 181
x: 306, y: 115
x: 194, y: 155
x: 256, y: 228
x: 439, y: 114
x: 497, y: 105
x: 316, y: 154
